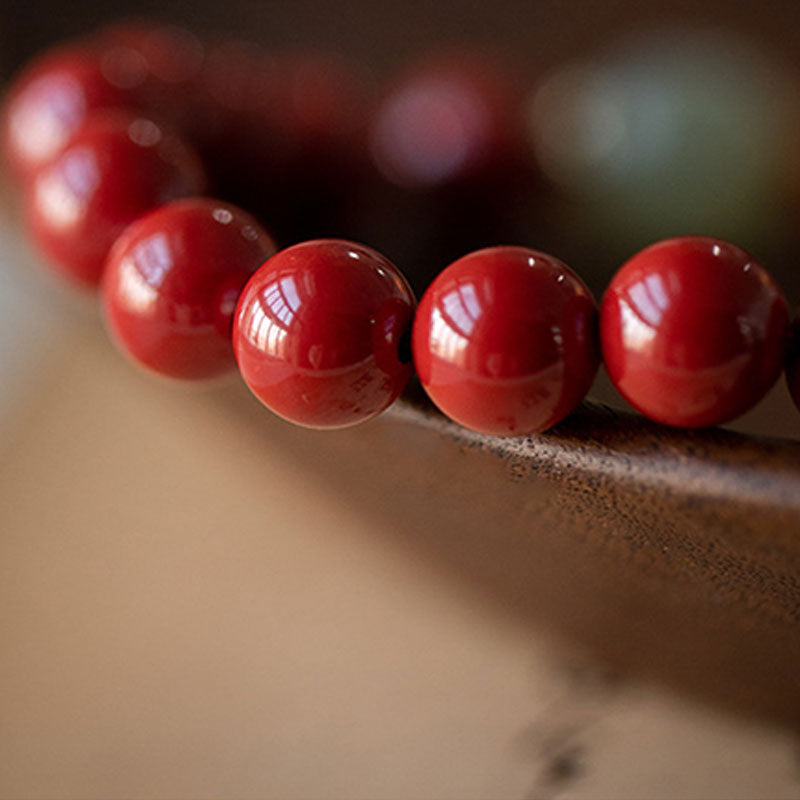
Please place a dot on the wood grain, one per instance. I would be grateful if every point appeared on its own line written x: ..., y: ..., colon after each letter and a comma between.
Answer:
x: 671, y: 553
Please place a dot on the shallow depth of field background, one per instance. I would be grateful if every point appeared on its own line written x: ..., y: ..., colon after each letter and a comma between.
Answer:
x: 188, y: 610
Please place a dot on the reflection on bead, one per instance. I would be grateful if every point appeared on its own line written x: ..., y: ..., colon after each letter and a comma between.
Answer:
x: 693, y: 331
x: 318, y: 333
x: 504, y: 341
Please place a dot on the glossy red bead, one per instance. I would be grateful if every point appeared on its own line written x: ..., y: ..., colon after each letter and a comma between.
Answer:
x: 504, y: 341
x: 172, y: 282
x: 693, y: 331
x: 52, y: 99
x: 319, y: 333
x: 793, y: 363
x: 115, y: 168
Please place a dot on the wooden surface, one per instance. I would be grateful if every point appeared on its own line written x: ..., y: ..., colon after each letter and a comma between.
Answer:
x: 199, y: 600
x: 671, y: 552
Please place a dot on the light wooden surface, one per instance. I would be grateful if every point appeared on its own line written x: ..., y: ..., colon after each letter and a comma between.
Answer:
x: 185, y: 612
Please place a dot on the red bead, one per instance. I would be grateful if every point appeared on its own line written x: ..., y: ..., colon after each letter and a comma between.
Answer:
x: 793, y: 363
x: 165, y: 54
x: 320, y: 100
x: 693, y: 331
x: 504, y: 341
x: 172, y: 281
x: 114, y: 169
x: 319, y: 332
x: 51, y: 100
x: 162, y: 65
x: 452, y: 118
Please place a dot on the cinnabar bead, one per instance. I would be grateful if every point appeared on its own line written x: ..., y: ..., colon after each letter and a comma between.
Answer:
x: 51, y: 99
x: 115, y: 168
x: 172, y: 281
x: 693, y: 331
x: 319, y: 333
x: 504, y: 341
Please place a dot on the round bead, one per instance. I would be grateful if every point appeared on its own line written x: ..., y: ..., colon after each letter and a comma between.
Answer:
x: 51, y: 100
x: 139, y: 52
x: 452, y: 118
x: 693, y: 331
x: 172, y: 281
x: 319, y: 333
x: 504, y: 341
x: 114, y: 169
x: 162, y: 65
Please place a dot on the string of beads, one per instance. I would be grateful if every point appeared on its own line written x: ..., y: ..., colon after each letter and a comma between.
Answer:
x: 506, y: 340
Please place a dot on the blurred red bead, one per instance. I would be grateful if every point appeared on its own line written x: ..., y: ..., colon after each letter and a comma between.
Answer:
x: 319, y: 333
x: 693, y: 331
x: 167, y: 53
x: 448, y: 139
x: 452, y: 118
x: 320, y: 98
x: 52, y: 99
x: 504, y: 341
x: 793, y: 363
x: 162, y: 64
x: 292, y: 122
x: 115, y: 168
x: 316, y: 125
x: 301, y: 102
x: 172, y: 281
x: 235, y: 85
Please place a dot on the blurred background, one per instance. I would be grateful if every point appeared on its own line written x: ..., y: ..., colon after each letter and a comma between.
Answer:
x: 637, y: 121
x: 197, y: 600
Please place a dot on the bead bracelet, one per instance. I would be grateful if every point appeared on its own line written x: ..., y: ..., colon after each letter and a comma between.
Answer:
x: 693, y: 331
